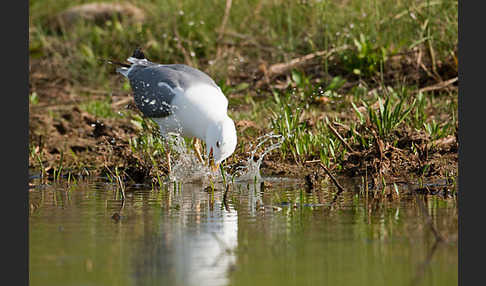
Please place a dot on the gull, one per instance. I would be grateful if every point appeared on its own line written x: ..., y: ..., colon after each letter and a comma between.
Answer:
x: 185, y: 101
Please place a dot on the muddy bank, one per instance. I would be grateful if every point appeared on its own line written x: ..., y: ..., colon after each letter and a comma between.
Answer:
x: 65, y: 138
x: 61, y: 134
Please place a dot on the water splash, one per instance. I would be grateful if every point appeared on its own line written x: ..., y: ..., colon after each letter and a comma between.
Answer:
x: 251, y: 169
x: 187, y: 168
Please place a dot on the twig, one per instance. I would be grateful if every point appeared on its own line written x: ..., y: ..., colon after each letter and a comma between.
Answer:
x: 340, y: 188
x: 225, y: 19
x: 312, y: 161
x: 340, y: 137
x: 283, y: 68
x: 341, y: 125
x: 407, y: 11
x: 432, y: 57
x: 429, y: 73
x: 121, y: 102
x: 187, y: 57
x: 449, y: 140
x: 280, y: 68
x: 439, y: 85
x: 221, y: 32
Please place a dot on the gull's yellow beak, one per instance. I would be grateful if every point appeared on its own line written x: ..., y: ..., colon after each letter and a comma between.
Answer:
x: 214, y: 167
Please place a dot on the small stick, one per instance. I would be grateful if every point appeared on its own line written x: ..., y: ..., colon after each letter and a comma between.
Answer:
x: 340, y: 188
x: 340, y: 137
x: 443, y: 141
x: 312, y: 161
x: 280, y: 68
x: 283, y: 68
x: 440, y: 85
x: 225, y: 19
x: 186, y: 55
x: 121, y: 102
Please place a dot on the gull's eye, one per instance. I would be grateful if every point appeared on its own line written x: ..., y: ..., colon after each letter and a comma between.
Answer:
x: 217, y: 144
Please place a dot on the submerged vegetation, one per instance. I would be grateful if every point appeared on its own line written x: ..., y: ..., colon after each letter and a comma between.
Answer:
x: 367, y: 88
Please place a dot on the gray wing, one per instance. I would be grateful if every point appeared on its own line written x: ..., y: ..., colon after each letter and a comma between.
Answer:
x: 154, y: 86
x: 153, y: 90
x: 187, y: 76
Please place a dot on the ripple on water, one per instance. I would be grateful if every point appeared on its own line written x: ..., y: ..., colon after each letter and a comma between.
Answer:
x: 190, y: 236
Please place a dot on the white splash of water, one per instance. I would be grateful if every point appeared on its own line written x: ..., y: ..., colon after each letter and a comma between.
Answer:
x: 186, y: 167
x: 184, y: 164
x: 251, y: 169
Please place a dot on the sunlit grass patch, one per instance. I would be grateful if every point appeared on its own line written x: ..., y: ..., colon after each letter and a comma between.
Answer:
x: 378, y: 88
x: 391, y: 112
x: 99, y: 108
x: 363, y: 116
x: 302, y: 141
x: 192, y: 33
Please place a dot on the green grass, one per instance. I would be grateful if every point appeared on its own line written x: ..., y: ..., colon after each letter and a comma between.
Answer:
x: 437, y: 131
x: 148, y: 145
x: 390, y: 113
x: 99, y: 108
x: 367, y: 59
x: 302, y: 142
x: 385, y: 112
x: 273, y: 31
x: 33, y: 98
x: 361, y: 95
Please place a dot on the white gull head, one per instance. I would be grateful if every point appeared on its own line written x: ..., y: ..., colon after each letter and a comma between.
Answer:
x: 221, y: 139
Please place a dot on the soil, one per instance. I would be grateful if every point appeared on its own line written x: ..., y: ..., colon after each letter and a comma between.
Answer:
x: 59, y: 129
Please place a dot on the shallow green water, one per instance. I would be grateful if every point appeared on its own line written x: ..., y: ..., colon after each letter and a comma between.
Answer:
x: 280, y: 236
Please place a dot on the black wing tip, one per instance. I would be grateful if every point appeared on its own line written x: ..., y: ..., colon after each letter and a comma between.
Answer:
x: 138, y: 54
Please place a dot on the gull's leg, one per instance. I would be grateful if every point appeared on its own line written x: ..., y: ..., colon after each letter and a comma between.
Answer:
x: 197, y: 146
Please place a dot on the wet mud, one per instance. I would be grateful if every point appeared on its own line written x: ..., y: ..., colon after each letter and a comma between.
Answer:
x: 62, y: 135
